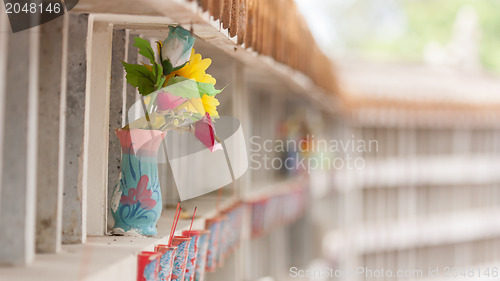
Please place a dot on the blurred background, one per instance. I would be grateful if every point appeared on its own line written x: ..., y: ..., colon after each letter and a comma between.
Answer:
x: 420, y: 78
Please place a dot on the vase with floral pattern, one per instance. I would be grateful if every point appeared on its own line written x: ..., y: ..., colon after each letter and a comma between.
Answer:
x: 136, y: 202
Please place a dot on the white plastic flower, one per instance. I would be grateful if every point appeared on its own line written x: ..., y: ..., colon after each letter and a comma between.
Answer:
x: 177, y: 47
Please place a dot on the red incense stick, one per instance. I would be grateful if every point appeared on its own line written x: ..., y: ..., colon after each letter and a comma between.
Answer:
x: 192, y: 220
x: 173, y: 223
x: 176, y: 221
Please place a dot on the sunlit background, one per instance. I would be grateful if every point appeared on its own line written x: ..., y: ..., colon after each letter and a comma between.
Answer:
x: 459, y: 33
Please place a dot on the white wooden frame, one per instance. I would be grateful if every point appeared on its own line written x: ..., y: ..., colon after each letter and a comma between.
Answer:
x: 19, y: 142
x: 96, y: 137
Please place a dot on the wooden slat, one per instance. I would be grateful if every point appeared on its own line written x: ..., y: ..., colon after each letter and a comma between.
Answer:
x: 74, y: 196
x: 249, y: 30
x: 146, y: 16
x: 256, y: 25
x: 205, y: 4
x: 49, y: 188
x: 267, y: 21
x: 242, y: 21
x: 261, y: 26
x: 215, y: 8
x: 226, y: 13
x: 96, y: 134
x: 19, y: 144
x: 235, y: 12
x: 266, y: 41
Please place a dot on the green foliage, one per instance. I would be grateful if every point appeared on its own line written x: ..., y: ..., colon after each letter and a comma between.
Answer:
x: 433, y: 20
x: 146, y: 80
x: 145, y: 49
x: 182, y: 87
x: 187, y: 88
x: 149, y: 78
x: 140, y: 77
x: 207, y: 89
x: 169, y: 68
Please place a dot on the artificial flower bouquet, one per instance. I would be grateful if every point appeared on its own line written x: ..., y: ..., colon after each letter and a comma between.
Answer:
x: 178, y: 95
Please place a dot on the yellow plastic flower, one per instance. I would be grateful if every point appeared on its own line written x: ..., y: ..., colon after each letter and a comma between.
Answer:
x: 194, y: 105
x: 195, y: 69
x: 210, y: 104
x: 201, y: 105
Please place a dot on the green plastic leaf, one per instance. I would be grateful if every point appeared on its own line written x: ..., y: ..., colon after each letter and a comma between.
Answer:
x: 207, y: 89
x: 179, y: 67
x: 182, y: 87
x: 187, y: 88
x: 145, y: 49
x: 140, y: 77
x: 159, y: 84
x: 159, y: 46
x: 167, y: 67
x: 159, y: 75
x: 178, y: 79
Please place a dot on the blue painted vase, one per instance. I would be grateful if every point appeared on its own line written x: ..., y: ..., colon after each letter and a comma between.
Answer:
x: 136, y: 202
